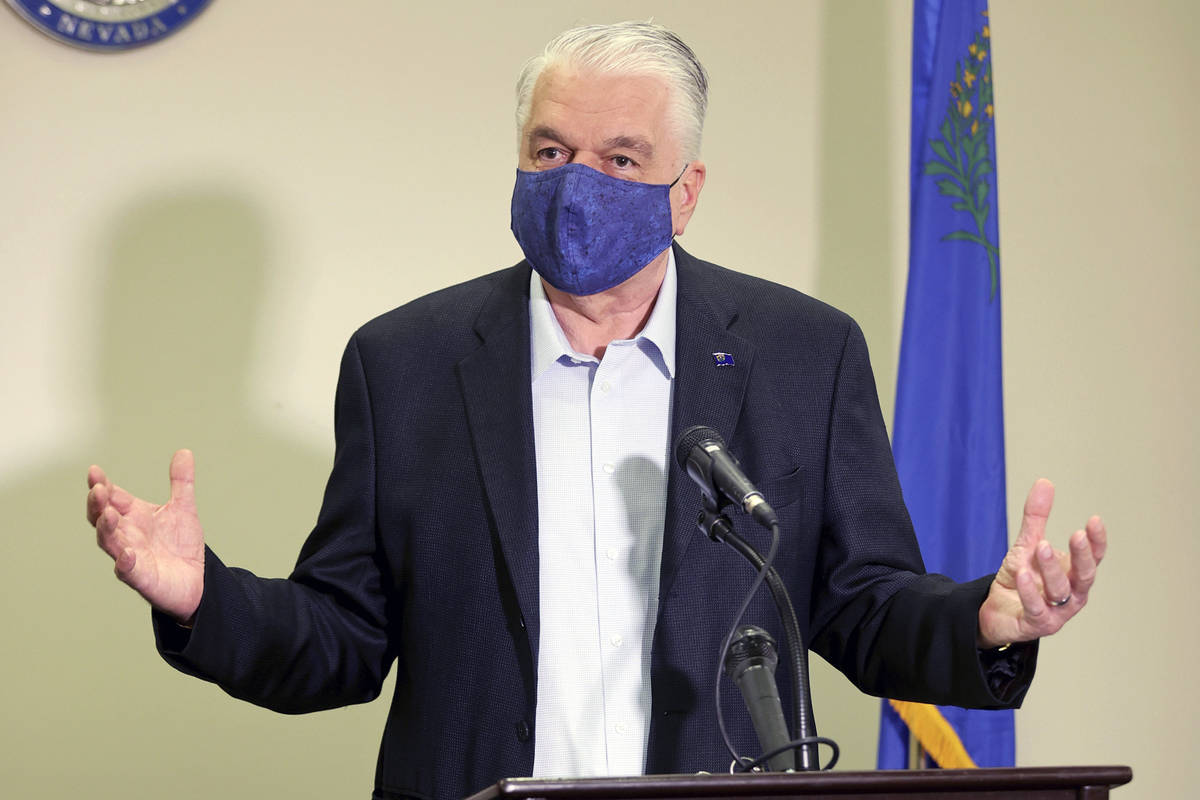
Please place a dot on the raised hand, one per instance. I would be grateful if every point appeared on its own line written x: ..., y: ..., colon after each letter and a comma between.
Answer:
x: 158, y: 550
x: 1039, y: 588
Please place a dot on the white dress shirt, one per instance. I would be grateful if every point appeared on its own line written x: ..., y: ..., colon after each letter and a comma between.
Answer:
x: 601, y: 431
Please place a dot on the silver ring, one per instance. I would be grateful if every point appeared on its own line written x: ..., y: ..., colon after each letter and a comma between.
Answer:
x: 1057, y: 603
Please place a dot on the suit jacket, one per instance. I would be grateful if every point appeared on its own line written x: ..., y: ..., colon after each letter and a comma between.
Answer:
x: 425, y: 552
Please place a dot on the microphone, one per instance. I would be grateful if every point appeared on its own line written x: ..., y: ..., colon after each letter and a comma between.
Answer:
x: 700, y: 451
x: 750, y: 662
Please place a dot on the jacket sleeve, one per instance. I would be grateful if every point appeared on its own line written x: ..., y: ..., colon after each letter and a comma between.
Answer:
x: 893, y: 630
x: 318, y: 639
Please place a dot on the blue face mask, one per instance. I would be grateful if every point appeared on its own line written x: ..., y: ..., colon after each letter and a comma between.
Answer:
x: 584, y: 231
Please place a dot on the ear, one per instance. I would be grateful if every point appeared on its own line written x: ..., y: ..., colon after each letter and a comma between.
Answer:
x: 685, y: 195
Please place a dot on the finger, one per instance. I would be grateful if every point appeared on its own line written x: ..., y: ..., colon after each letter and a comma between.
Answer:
x: 1055, y: 583
x: 1097, y: 534
x: 107, y: 532
x: 125, y: 561
x: 183, y: 480
x: 96, y: 476
x: 120, y: 499
x: 1032, y: 601
x: 1083, y: 565
x: 97, y: 501
x: 1037, y: 511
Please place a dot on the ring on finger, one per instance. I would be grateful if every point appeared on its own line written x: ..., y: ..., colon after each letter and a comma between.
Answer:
x: 1058, y: 603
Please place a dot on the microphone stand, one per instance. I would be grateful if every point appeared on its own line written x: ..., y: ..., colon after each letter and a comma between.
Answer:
x: 719, y: 528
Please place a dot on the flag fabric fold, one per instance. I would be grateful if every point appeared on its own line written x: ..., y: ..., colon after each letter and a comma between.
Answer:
x: 948, y: 433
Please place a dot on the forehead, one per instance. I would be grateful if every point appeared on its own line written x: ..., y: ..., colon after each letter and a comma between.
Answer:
x: 588, y: 104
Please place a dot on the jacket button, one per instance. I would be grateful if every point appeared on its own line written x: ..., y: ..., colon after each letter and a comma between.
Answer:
x: 524, y: 731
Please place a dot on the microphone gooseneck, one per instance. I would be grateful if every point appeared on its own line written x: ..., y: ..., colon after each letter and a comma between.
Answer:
x: 803, y: 720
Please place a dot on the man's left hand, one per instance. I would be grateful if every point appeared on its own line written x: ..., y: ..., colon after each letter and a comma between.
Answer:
x: 1039, y: 588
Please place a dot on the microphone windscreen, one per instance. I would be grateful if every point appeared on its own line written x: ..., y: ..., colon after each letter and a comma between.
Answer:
x: 692, y: 437
x: 750, y: 645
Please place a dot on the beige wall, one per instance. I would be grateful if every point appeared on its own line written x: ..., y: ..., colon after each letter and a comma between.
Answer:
x: 189, y: 233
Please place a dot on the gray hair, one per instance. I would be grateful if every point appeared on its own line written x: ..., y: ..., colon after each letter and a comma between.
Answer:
x: 631, y: 48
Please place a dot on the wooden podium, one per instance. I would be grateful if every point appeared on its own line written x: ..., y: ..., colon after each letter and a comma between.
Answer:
x: 1028, y: 783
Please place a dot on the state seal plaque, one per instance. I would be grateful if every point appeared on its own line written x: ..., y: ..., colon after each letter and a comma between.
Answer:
x: 108, y: 25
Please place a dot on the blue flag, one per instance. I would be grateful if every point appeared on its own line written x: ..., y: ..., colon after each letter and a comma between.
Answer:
x: 948, y: 435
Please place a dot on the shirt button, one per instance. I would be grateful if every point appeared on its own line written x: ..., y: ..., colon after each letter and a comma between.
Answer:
x: 609, y: 469
x: 616, y: 640
x: 611, y: 553
x: 621, y: 728
x: 605, y: 387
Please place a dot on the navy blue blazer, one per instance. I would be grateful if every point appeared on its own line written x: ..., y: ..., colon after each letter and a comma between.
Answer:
x: 425, y: 552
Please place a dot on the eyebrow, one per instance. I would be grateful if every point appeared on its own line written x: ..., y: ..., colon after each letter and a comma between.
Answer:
x: 545, y: 132
x: 634, y: 143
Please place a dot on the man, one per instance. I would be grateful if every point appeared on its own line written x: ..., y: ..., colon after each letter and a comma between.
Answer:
x: 504, y: 522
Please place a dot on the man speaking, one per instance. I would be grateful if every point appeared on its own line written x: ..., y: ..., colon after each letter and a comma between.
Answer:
x: 503, y: 520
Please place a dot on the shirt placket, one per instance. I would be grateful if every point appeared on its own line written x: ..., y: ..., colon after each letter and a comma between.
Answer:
x: 617, y: 596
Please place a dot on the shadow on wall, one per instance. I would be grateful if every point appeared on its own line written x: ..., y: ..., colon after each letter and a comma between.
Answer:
x: 84, y: 692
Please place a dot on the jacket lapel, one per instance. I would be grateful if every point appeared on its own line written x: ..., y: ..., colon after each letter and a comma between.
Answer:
x: 705, y: 394
x: 495, y: 381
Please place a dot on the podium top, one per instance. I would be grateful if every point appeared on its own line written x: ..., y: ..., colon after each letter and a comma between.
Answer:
x: 1043, y: 783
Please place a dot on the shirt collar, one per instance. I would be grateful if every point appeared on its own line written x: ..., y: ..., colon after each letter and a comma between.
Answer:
x: 549, y: 343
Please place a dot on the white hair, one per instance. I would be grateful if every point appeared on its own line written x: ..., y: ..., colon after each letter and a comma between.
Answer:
x: 628, y: 48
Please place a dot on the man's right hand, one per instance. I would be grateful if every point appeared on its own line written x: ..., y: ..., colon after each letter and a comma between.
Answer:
x: 158, y: 550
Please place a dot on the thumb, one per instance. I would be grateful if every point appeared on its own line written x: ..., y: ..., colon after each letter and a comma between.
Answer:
x: 183, y: 480
x: 1037, y: 511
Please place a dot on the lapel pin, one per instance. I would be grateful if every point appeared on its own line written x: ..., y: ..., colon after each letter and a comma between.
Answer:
x: 723, y: 359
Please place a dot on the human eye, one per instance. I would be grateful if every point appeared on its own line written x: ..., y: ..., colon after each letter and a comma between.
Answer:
x: 619, y: 165
x: 551, y: 156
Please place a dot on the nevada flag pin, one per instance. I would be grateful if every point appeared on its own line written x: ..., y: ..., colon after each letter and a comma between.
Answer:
x: 723, y: 359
